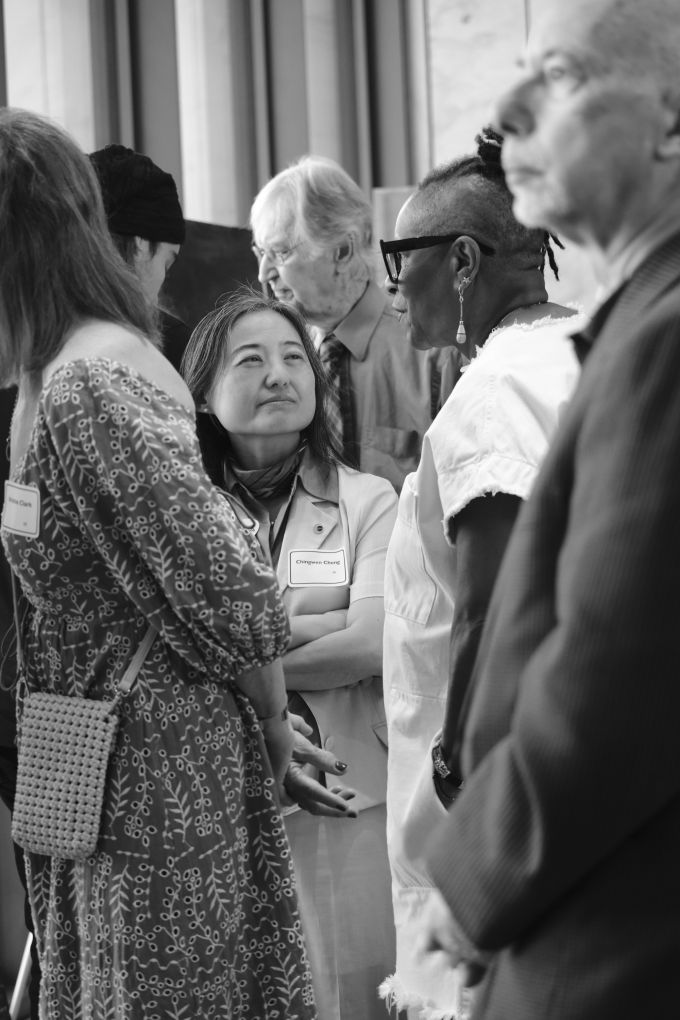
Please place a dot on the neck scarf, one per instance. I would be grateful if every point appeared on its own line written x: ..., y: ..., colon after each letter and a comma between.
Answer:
x: 271, y: 480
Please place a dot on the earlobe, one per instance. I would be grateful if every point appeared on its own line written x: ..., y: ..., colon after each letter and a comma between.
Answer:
x: 464, y: 261
x: 141, y: 246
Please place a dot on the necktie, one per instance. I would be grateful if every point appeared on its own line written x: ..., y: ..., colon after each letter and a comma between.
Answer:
x: 335, y: 359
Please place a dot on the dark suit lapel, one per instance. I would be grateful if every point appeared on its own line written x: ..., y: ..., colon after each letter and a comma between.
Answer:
x: 650, y: 281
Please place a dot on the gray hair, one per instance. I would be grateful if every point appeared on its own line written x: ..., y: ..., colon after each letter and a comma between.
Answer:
x: 315, y: 201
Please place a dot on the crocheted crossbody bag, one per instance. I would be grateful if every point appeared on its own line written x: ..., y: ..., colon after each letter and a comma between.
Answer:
x: 64, y: 746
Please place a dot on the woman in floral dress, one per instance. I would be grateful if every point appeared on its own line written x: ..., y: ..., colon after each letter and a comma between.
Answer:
x: 188, y: 907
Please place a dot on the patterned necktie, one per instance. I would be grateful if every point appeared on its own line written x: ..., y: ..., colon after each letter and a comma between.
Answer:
x: 335, y: 359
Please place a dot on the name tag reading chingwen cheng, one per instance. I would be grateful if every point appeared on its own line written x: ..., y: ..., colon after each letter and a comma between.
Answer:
x: 21, y: 510
x: 326, y: 567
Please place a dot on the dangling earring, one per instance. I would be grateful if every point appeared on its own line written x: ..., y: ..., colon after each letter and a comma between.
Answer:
x: 461, y: 335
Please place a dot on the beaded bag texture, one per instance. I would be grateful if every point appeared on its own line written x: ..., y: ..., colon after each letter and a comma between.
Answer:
x: 64, y: 752
x: 64, y: 746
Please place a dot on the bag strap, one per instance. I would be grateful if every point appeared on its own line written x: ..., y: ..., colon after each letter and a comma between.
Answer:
x: 17, y: 624
x: 130, y: 675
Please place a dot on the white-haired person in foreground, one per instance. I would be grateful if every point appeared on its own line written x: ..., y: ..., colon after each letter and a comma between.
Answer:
x: 558, y: 862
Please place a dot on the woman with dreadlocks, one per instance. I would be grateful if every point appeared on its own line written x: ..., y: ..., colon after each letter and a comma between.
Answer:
x: 468, y: 275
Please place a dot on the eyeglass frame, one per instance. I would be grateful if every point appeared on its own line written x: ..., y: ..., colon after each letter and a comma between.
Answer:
x: 426, y: 241
x: 279, y: 258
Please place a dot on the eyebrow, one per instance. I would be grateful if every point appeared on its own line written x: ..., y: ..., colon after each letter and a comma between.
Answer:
x: 579, y: 58
x: 255, y: 346
x: 283, y: 242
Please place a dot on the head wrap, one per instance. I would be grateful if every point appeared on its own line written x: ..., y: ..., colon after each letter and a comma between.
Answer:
x: 140, y: 199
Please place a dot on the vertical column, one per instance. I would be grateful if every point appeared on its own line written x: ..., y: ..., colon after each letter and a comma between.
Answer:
x: 336, y: 72
x: 48, y: 47
x: 112, y: 80
x: 153, y: 59
x: 3, y: 68
x: 418, y: 99
x: 322, y: 71
x: 216, y: 110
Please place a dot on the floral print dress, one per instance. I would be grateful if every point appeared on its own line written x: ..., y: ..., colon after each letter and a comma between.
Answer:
x: 188, y: 908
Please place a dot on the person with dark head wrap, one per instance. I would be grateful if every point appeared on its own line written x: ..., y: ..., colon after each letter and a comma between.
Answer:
x: 147, y: 226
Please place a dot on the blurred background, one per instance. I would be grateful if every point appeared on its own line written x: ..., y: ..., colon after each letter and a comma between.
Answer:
x: 225, y: 93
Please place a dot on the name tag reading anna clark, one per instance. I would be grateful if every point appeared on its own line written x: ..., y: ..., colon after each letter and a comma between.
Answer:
x: 326, y: 567
x: 21, y: 510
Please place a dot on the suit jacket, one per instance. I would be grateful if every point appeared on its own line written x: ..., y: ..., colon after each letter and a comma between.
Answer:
x: 563, y: 851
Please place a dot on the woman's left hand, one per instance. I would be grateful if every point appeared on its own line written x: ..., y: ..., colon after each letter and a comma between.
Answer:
x: 305, y: 791
x: 308, y: 793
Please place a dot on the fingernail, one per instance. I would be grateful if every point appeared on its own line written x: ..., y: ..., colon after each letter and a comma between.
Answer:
x: 352, y: 814
x: 341, y: 766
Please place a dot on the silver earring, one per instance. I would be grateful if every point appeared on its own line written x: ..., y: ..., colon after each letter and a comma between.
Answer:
x: 461, y: 335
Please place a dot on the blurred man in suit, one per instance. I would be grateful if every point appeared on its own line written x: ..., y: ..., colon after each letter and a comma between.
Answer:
x: 558, y: 861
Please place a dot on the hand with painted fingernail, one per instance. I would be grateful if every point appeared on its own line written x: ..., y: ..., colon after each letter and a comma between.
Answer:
x: 306, y: 791
x: 309, y: 794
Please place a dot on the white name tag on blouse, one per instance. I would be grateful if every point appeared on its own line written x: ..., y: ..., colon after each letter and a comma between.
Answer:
x: 307, y: 567
x: 21, y: 510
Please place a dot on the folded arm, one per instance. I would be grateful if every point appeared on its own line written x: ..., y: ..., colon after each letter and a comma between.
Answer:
x: 343, y: 656
x: 310, y: 626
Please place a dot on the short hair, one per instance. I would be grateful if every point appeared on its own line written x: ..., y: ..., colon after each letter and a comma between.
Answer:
x: 485, y: 206
x: 205, y: 355
x: 320, y: 202
x: 58, y: 264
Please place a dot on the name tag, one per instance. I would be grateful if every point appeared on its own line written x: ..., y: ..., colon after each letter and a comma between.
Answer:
x: 314, y: 567
x: 21, y: 510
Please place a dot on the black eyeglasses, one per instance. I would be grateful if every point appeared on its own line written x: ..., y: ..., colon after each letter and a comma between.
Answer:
x: 393, y: 250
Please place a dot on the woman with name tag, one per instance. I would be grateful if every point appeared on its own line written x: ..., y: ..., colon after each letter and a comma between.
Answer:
x: 325, y: 527
x: 187, y: 908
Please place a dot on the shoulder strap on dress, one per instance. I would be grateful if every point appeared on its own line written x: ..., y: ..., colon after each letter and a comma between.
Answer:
x: 130, y: 675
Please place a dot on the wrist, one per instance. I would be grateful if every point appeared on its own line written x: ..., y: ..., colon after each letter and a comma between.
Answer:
x: 279, y: 716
